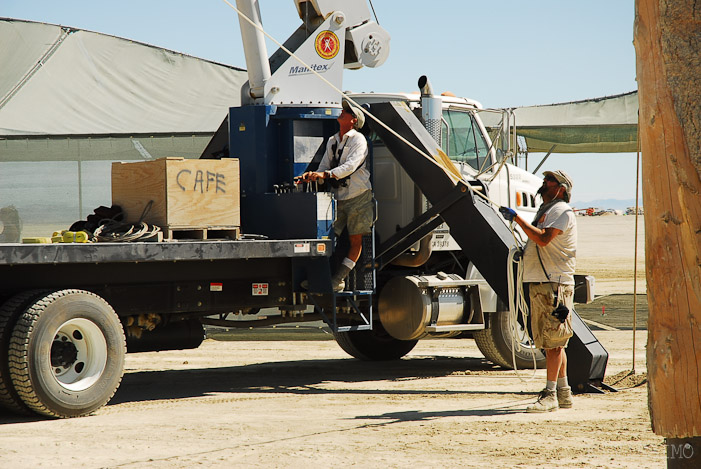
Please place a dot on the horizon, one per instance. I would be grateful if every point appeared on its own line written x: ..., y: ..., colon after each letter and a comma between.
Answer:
x: 606, y: 204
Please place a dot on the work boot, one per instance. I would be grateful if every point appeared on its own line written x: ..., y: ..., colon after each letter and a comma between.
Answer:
x: 547, y: 402
x: 564, y: 397
x: 338, y: 281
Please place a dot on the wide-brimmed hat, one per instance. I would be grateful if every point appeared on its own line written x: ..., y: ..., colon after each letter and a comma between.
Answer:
x: 564, y: 181
x: 355, y: 112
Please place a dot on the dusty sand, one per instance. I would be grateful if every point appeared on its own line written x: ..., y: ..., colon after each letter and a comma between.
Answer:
x: 297, y: 403
x: 606, y: 249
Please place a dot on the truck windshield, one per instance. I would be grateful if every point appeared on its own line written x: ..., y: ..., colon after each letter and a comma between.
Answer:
x: 462, y: 138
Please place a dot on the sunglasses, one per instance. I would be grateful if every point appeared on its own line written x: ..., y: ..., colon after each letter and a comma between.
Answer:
x: 551, y: 179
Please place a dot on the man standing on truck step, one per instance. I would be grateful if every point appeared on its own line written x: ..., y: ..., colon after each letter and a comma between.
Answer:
x: 549, y: 263
x: 344, y: 166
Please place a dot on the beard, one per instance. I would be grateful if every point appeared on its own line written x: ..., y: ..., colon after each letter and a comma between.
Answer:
x: 542, y: 190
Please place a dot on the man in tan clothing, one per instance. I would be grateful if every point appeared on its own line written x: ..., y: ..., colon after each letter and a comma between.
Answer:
x: 549, y: 264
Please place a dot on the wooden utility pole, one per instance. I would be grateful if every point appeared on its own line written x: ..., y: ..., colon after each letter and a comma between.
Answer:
x: 667, y: 38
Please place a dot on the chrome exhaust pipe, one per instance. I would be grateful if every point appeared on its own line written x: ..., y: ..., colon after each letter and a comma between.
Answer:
x: 431, y: 109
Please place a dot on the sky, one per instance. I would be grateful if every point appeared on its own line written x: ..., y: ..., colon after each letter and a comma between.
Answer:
x: 503, y: 53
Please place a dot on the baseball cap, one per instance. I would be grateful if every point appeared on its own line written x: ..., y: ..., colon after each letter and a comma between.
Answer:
x: 563, y: 179
x: 357, y: 113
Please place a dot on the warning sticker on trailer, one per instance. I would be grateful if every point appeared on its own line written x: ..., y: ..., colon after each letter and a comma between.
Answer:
x: 260, y: 289
x: 216, y: 287
x: 302, y: 247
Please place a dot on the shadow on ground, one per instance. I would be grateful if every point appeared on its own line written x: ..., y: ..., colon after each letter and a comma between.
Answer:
x: 616, y: 311
x: 303, y: 377
x: 297, y: 377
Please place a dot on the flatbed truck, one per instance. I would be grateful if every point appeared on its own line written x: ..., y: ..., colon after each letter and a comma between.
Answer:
x: 70, y: 312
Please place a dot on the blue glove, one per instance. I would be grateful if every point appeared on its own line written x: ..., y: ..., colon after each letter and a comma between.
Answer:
x: 507, y: 213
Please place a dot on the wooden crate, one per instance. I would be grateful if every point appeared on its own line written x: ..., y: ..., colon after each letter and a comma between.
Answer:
x: 186, y: 194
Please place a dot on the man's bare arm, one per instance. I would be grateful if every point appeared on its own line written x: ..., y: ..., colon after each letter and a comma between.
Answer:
x: 541, y: 237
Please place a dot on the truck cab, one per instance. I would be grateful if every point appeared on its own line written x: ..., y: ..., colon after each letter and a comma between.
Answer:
x: 468, y: 143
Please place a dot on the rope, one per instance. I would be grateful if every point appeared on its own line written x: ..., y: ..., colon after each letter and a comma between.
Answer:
x: 112, y: 231
x: 517, y: 305
x: 635, y: 242
x: 374, y: 14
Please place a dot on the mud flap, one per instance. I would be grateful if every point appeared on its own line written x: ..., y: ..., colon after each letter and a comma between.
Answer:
x: 586, y: 359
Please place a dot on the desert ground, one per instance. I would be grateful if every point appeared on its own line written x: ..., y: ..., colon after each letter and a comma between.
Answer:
x: 290, y: 397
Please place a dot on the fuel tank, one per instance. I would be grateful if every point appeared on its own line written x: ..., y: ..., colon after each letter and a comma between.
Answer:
x: 408, y: 305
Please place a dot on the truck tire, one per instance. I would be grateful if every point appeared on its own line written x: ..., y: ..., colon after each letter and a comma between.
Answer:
x: 373, y: 345
x: 67, y: 354
x: 496, y: 345
x: 10, y: 310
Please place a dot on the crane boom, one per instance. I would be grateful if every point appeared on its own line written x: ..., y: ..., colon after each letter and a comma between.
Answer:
x: 335, y: 34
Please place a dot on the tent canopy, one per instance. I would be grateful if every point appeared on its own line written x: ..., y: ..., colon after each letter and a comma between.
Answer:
x: 57, y: 80
x: 600, y: 125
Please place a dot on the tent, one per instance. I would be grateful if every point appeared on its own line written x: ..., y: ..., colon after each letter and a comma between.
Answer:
x: 67, y: 85
x: 600, y: 125
x: 73, y: 101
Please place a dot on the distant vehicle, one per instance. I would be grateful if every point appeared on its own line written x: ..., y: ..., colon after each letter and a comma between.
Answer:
x: 589, y: 211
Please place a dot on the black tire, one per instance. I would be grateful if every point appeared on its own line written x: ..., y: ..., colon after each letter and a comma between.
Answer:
x: 10, y: 310
x: 373, y: 345
x: 67, y: 354
x: 496, y: 345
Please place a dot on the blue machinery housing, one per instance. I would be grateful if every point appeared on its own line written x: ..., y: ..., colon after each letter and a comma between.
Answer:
x: 274, y: 145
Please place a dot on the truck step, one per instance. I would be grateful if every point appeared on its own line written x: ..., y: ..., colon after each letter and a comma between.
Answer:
x: 455, y: 327
x: 351, y: 293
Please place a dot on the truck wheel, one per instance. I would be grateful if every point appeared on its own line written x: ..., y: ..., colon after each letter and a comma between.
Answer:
x: 67, y: 354
x: 496, y: 344
x: 375, y: 344
x: 9, y: 312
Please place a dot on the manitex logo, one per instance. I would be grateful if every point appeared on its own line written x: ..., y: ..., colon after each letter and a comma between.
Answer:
x: 327, y: 45
x: 300, y: 70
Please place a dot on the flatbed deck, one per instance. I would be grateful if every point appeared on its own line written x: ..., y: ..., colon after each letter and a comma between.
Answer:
x: 90, y: 253
x: 116, y: 269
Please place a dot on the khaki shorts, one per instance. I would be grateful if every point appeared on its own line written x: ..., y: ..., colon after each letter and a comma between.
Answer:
x: 356, y: 213
x: 548, y: 331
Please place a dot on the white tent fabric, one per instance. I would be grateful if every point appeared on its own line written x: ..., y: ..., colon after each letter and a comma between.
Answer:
x: 601, y: 125
x: 56, y: 80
